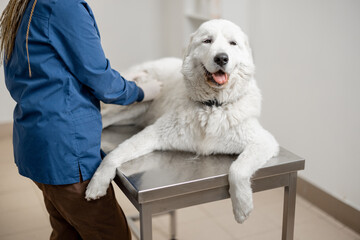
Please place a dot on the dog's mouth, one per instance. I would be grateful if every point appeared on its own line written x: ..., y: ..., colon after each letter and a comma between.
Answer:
x: 218, y: 78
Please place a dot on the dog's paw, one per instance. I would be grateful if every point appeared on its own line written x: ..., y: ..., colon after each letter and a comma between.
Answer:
x: 100, y: 182
x: 242, y: 210
x: 96, y: 188
x: 241, y: 197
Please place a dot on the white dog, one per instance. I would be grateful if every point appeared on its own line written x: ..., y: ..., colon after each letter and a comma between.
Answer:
x: 209, y: 104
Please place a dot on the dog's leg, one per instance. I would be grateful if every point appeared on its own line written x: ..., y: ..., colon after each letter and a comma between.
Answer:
x: 123, y: 115
x: 241, y: 170
x: 140, y: 144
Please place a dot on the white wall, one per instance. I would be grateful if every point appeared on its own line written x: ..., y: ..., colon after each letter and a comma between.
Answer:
x: 131, y: 31
x: 6, y: 103
x: 307, y: 55
x: 238, y: 12
x: 173, y: 28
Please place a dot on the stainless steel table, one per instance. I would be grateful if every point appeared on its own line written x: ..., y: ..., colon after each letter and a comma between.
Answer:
x: 165, y: 181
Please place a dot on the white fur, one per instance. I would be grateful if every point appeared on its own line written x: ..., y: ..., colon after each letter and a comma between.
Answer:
x: 177, y: 120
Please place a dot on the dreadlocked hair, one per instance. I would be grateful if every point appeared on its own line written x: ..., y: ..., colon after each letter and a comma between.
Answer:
x: 9, y: 23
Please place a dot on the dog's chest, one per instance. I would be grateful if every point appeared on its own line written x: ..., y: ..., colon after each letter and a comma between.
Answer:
x: 210, y: 130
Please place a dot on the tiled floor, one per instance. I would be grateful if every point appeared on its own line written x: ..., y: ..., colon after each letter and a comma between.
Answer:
x: 23, y: 216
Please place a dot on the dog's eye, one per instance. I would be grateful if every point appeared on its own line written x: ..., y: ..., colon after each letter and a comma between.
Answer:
x: 207, y: 40
x: 233, y: 43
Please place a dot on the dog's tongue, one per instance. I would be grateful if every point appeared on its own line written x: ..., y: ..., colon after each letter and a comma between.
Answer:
x: 220, y: 77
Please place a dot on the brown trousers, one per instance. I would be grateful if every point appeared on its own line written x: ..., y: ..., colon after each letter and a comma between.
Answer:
x: 72, y: 217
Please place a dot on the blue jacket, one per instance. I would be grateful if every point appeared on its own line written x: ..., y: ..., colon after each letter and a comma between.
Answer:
x: 57, y: 122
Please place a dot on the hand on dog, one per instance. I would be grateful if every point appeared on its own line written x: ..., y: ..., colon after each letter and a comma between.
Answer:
x: 151, y: 89
x: 147, y: 83
x: 100, y: 182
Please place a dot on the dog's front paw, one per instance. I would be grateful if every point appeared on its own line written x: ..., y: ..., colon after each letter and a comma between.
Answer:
x: 241, y: 208
x: 100, y: 182
x: 241, y: 196
x: 96, y: 188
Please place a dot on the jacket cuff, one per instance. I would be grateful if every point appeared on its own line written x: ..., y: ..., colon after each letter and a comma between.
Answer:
x: 140, y: 95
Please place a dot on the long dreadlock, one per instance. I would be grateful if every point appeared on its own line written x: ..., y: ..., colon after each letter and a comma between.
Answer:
x: 9, y: 24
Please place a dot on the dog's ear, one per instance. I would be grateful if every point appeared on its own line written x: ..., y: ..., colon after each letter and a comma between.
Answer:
x: 188, y: 49
x: 248, y: 48
x: 247, y: 45
x: 248, y: 67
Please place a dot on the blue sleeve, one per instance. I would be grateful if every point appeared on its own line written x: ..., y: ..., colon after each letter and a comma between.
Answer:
x: 74, y: 35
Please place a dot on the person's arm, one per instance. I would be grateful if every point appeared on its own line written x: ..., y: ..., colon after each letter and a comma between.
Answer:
x: 75, y: 37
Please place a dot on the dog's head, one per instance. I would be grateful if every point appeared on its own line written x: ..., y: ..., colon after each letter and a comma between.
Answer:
x: 218, y: 63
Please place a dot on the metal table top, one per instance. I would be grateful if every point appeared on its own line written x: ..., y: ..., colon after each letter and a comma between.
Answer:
x: 164, y: 174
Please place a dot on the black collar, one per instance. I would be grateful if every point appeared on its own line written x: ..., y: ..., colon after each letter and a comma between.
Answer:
x: 211, y: 103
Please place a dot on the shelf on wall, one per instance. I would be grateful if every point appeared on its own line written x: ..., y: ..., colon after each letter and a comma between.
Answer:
x: 198, y: 17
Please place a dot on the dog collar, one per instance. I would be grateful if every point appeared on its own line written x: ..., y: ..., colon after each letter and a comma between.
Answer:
x: 213, y: 102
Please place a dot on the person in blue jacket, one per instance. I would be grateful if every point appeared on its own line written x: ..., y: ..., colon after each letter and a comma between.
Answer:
x: 56, y: 71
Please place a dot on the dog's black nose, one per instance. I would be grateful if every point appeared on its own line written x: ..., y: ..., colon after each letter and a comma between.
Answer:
x: 221, y: 59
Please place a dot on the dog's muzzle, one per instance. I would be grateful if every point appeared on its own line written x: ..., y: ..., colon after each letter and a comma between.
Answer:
x: 216, y: 79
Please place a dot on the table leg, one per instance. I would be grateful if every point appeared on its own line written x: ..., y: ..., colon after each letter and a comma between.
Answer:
x: 145, y: 223
x: 173, y: 225
x: 134, y: 229
x: 289, y: 208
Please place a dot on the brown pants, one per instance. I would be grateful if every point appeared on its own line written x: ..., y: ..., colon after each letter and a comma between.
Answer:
x: 72, y: 217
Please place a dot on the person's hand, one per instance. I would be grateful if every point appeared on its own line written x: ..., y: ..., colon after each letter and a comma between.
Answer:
x: 151, y: 89
x: 150, y: 86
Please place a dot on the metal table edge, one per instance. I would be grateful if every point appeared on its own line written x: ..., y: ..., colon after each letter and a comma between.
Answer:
x: 149, y: 195
x: 130, y: 188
